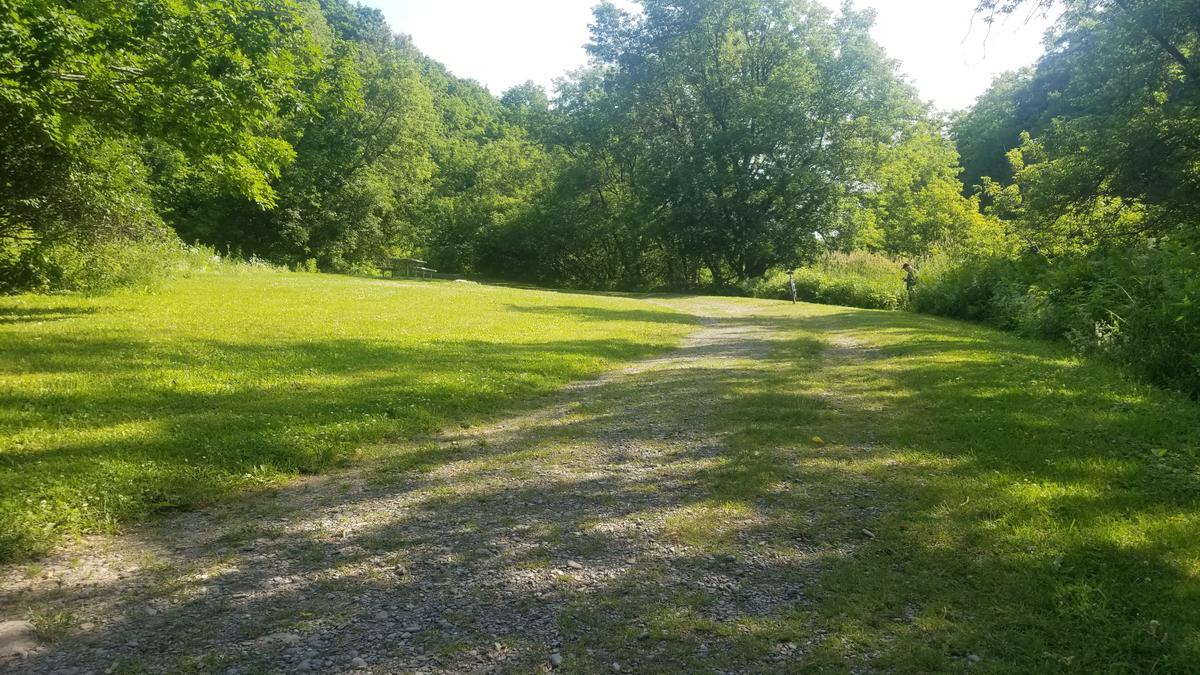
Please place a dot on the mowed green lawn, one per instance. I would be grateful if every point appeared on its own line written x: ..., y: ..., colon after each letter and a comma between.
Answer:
x: 978, y: 503
x: 114, y: 407
x: 947, y: 497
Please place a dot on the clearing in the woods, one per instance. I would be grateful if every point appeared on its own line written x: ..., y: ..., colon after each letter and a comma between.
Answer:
x: 518, y: 481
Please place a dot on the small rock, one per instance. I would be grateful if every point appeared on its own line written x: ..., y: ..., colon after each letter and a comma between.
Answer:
x: 412, y: 628
x: 974, y: 658
x: 358, y: 662
x: 284, y: 638
x: 556, y: 660
x: 616, y: 667
x: 574, y: 565
x: 16, y: 638
x: 381, y: 616
x: 869, y: 534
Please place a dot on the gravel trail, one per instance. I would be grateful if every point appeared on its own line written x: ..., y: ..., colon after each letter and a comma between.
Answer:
x: 475, y: 551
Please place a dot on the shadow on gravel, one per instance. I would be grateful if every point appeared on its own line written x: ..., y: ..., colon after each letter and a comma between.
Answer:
x: 920, y: 494
x: 464, y: 540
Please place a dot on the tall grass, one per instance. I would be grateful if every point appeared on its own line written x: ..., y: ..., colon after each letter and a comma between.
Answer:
x: 856, y: 279
x: 107, y: 266
x: 1138, y: 306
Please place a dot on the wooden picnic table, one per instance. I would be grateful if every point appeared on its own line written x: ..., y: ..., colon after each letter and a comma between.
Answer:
x: 408, y: 267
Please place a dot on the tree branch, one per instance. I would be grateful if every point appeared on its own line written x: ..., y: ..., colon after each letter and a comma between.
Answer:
x: 1189, y: 68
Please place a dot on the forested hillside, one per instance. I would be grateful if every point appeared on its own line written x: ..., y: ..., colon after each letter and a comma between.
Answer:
x: 708, y: 144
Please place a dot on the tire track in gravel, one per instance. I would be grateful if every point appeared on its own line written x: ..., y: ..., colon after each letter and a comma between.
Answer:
x: 464, y: 553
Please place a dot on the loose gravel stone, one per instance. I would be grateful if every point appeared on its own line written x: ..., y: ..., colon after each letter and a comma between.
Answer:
x: 394, y: 571
x: 17, y: 639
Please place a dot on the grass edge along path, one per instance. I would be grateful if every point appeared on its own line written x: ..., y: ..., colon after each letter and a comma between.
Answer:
x: 823, y: 490
x: 118, y: 406
x: 1010, y: 507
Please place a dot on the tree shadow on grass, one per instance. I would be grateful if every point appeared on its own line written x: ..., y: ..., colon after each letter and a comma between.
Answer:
x: 1043, y: 509
x: 21, y: 315
x: 760, y: 506
x: 475, y: 520
x: 123, y: 428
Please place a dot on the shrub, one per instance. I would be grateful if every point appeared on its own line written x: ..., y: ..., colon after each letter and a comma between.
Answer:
x: 858, y: 279
x: 92, y: 269
x: 1135, y: 305
x: 111, y: 265
x: 85, y: 223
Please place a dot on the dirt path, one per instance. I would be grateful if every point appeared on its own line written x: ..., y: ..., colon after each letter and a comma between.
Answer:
x: 495, y: 548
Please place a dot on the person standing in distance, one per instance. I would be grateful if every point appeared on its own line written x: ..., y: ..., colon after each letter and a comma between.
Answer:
x: 910, y: 277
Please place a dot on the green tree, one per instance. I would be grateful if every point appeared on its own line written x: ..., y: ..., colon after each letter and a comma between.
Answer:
x: 913, y: 204
x: 988, y: 130
x: 1114, y: 157
x: 488, y: 174
x: 746, y: 123
x: 205, y: 77
x: 86, y: 87
x: 362, y: 156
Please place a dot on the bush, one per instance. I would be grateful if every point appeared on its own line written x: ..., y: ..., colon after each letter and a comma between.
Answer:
x: 94, y: 269
x: 1137, y: 305
x: 858, y: 279
x: 108, y: 266
x: 85, y: 221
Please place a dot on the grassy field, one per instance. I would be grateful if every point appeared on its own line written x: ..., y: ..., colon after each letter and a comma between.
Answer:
x: 813, y: 489
x: 117, y: 406
x: 979, y: 503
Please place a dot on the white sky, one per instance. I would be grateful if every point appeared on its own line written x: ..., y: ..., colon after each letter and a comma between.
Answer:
x: 943, y: 49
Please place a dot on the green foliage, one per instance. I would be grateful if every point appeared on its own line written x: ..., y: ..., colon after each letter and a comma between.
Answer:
x: 205, y: 77
x: 857, y: 279
x: 1089, y: 161
x: 99, y: 230
x: 1110, y: 113
x: 141, y: 263
x: 86, y: 88
x: 100, y: 194
x: 334, y: 140
x: 913, y: 203
x: 1135, y: 306
x: 985, y: 132
x: 362, y: 157
x: 698, y: 122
